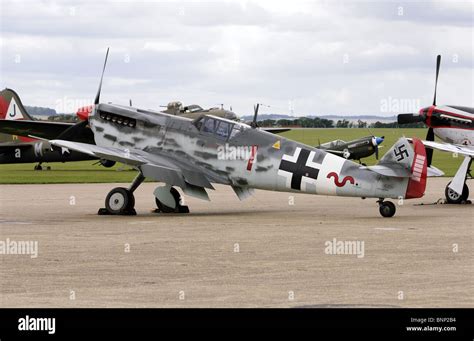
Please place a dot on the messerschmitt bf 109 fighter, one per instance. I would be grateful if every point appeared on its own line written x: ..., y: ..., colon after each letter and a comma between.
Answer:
x: 194, y: 154
x: 455, y: 126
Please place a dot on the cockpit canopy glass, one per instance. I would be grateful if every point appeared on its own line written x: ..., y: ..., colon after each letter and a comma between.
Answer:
x: 220, y: 129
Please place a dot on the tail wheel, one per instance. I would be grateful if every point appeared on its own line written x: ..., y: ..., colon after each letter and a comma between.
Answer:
x: 454, y: 198
x: 177, y: 200
x: 119, y: 201
x: 387, y: 209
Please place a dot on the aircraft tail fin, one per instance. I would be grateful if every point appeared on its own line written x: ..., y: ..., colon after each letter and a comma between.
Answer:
x: 11, y: 107
x: 409, y: 160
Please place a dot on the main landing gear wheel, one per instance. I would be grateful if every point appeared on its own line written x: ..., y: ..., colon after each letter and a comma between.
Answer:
x: 387, y: 209
x: 177, y: 200
x: 38, y: 167
x: 119, y: 201
x: 454, y: 198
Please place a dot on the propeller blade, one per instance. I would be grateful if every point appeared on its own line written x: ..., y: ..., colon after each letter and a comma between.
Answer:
x: 438, y: 63
x: 409, y: 118
x: 97, y: 97
x: 255, y: 113
x: 430, y: 135
x: 429, y: 151
x: 377, y: 152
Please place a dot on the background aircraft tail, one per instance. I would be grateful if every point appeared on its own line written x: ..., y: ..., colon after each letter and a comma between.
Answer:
x: 11, y: 107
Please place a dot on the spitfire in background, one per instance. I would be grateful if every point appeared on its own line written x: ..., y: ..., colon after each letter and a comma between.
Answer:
x: 355, y: 149
x: 454, y: 125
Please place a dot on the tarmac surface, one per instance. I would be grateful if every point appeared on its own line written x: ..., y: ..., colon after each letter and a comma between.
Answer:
x: 268, y: 251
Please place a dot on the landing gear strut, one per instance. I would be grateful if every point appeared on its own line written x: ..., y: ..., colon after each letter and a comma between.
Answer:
x: 120, y: 200
x: 168, y: 200
x: 456, y: 191
x: 38, y: 167
x: 386, y: 208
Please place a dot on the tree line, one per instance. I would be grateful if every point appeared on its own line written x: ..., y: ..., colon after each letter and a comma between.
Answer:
x: 317, y: 122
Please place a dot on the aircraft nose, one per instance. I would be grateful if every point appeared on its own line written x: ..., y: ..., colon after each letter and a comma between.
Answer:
x: 379, y: 140
x: 84, y: 112
x: 424, y: 112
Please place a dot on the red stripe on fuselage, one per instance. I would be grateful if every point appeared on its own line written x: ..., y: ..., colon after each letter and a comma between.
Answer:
x: 252, y: 158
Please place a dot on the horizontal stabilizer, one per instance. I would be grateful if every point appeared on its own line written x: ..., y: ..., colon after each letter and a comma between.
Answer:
x: 433, y: 171
x: 393, y: 170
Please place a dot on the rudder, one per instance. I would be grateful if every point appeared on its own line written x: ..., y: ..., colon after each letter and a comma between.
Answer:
x: 419, y: 170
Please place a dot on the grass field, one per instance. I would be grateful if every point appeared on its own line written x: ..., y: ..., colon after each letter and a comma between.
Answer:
x: 444, y: 161
x: 86, y: 172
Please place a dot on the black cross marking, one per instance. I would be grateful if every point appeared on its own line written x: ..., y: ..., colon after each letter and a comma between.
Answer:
x: 401, y: 153
x: 299, y: 169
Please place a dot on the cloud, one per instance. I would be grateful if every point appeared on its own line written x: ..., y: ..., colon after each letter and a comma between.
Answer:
x: 323, y: 57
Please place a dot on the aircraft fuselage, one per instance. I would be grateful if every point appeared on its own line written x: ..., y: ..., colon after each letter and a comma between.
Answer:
x: 234, y: 154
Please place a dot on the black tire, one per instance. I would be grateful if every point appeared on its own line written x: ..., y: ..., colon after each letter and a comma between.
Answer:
x: 119, y: 201
x: 38, y: 168
x: 166, y: 209
x: 387, y: 209
x: 454, y: 198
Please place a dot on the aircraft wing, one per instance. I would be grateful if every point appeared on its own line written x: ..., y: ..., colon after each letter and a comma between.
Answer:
x: 333, y: 151
x: 450, y: 148
x: 156, y: 165
x: 43, y: 129
x: 276, y: 130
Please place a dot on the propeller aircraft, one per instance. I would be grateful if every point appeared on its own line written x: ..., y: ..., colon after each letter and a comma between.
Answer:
x: 455, y: 126
x: 195, y: 154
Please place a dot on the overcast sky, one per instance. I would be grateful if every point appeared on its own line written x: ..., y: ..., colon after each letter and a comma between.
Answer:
x: 314, y: 57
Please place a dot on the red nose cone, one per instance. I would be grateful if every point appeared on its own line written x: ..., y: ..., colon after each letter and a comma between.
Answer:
x: 84, y: 112
x: 427, y: 113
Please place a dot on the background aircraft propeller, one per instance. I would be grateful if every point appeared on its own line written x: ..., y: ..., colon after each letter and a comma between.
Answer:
x: 415, y: 118
x: 376, y: 141
x: 438, y: 63
x: 255, y: 114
